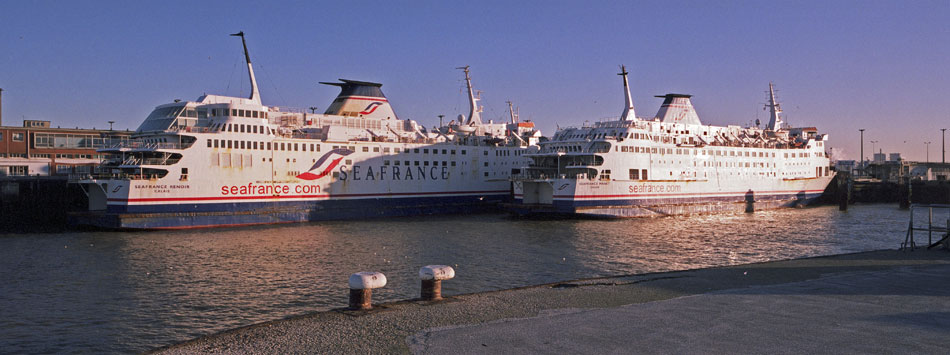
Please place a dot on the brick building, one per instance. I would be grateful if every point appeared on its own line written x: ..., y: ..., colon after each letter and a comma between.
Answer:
x: 36, y: 148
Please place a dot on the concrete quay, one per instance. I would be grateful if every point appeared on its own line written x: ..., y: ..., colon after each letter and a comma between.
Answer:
x: 874, y: 302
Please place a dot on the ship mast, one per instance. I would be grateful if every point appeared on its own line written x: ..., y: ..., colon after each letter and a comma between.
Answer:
x: 473, y: 116
x: 511, y: 112
x: 255, y: 94
x: 628, y: 111
x: 775, y: 123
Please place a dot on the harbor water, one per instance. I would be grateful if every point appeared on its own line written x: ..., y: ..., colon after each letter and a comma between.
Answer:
x: 134, y: 291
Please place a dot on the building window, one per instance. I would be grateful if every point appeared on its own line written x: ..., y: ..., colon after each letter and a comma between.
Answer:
x: 17, y: 136
x: 18, y: 170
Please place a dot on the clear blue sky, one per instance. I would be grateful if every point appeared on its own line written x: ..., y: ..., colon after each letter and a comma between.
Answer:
x: 839, y: 65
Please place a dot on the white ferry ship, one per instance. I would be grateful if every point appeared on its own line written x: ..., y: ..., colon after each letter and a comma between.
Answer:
x: 672, y: 164
x: 221, y: 161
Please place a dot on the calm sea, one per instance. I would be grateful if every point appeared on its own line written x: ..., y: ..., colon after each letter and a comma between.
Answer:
x: 130, y: 292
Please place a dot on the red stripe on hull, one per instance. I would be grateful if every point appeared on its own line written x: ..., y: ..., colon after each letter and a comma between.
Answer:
x: 218, y: 198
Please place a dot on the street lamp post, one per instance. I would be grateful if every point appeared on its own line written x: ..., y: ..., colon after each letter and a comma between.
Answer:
x: 943, y: 145
x: 927, y: 144
x: 862, y: 149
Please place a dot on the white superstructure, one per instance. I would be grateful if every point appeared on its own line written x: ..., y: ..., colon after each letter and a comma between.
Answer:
x: 672, y: 164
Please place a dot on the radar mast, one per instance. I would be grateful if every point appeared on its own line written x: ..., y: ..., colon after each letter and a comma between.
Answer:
x: 775, y: 122
x: 255, y: 94
x: 473, y: 114
x: 628, y: 111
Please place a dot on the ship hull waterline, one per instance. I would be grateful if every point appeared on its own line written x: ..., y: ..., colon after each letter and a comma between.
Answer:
x: 607, y: 205
x: 207, y: 215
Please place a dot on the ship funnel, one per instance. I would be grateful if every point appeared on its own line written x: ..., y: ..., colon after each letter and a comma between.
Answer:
x: 628, y: 111
x: 360, y: 99
x: 255, y: 94
x: 775, y: 122
x: 677, y: 108
x: 474, y: 118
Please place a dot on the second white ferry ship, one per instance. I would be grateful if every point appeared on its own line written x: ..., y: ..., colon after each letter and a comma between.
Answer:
x: 222, y: 160
x: 672, y: 164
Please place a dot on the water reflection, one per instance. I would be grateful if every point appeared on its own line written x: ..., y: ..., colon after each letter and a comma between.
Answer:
x: 127, y: 292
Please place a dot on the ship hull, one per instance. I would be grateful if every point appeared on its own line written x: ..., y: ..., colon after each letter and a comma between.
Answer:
x: 422, y: 179
x: 206, y: 215
x: 615, y: 199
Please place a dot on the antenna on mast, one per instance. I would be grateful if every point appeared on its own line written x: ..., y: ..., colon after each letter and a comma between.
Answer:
x: 255, y: 94
x: 628, y: 111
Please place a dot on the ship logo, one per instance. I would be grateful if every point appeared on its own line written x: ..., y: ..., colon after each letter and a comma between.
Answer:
x: 371, y: 107
x: 325, y: 164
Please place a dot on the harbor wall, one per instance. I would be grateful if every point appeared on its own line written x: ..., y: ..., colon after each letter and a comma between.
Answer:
x: 875, y: 191
x: 37, y: 203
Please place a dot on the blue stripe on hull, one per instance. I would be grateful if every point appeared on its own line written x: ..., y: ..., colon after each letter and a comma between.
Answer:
x: 685, y: 205
x: 682, y: 200
x: 177, y: 216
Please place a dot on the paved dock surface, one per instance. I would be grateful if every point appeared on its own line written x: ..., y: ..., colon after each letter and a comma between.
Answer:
x: 875, y: 302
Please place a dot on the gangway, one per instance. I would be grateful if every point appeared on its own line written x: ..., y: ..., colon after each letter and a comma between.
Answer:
x: 909, y: 242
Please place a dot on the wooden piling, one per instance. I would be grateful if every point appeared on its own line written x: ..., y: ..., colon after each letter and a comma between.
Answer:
x: 843, y: 180
x: 904, y: 192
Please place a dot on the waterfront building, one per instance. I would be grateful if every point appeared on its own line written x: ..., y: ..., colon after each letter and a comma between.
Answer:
x: 38, y: 149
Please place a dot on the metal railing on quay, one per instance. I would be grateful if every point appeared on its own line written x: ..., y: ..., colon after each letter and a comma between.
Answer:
x: 910, y: 243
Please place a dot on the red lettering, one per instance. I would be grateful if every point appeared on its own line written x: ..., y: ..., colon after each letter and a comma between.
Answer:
x: 224, y: 190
